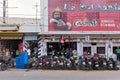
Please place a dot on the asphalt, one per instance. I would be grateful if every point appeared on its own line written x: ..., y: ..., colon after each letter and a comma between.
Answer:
x: 23, y: 74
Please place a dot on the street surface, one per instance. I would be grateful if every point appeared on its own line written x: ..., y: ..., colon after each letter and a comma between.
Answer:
x: 22, y: 74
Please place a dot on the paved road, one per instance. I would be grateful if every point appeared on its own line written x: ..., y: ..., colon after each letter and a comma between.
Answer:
x: 18, y: 74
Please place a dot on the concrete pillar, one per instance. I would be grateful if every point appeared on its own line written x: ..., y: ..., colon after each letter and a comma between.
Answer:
x: 108, y: 49
x: 80, y: 48
x: 93, y: 49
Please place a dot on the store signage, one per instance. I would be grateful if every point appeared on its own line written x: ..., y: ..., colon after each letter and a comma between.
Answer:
x: 104, y: 7
x: 85, y: 23
x: 30, y: 37
x: 9, y: 37
x: 83, y: 15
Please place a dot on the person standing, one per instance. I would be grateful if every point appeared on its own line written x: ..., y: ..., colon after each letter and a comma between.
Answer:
x: 17, y: 53
x: 118, y: 53
x: 85, y: 54
x: 29, y: 52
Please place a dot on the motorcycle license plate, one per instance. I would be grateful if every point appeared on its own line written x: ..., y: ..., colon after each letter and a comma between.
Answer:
x: 0, y: 63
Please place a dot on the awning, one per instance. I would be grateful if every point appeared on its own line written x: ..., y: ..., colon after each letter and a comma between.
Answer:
x: 11, y: 36
x: 9, y: 28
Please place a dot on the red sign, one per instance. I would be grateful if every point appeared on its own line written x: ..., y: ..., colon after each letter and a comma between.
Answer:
x: 84, y: 15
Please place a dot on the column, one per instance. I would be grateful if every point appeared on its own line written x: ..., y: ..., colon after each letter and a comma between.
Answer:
x: 93, y: 49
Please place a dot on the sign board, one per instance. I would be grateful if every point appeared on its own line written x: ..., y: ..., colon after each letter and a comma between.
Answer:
x: 83, y: 15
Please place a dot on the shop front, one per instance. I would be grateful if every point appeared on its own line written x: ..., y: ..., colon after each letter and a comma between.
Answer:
x: 90, y: 27
x: 10, y: 38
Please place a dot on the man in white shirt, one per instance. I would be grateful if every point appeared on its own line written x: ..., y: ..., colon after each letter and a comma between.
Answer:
x: 29, y: 52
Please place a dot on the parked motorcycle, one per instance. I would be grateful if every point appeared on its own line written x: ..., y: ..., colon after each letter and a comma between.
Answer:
x: 54, y: 63
x: 116, y: 65
x: 110, y: 64
x: 75, y: 62
x: 103, y: 63
x: 89, y: 63
x: 95, y: 63
x: 68, y: 64
x: 61, y: 63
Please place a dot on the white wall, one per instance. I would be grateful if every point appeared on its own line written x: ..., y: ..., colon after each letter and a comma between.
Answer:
x: 44, y: 15
x: 26, y: 28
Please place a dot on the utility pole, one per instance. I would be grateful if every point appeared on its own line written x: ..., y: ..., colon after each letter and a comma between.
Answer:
x: 4, y: 11
x: 36, y: 6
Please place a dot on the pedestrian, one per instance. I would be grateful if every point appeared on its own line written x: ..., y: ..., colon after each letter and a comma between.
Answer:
x: 85, y: 54
x: 118, y: 53
x: 74, y: 51
x: 17, y: 53
x: 29, y: 52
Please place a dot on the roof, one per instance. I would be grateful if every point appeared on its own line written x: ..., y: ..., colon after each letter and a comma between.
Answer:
x: 14, y: 20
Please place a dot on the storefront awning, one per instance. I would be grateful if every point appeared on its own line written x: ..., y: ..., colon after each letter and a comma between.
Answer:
x: 9, y: 28
x: 9, y: 36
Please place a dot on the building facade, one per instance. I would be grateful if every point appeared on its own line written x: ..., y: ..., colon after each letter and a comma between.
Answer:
x: 91, y: 25
x: 16, y: 31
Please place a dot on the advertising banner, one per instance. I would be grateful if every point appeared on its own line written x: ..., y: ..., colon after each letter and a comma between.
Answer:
x: 83, y: 15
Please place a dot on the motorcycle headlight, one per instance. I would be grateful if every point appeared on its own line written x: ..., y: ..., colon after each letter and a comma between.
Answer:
x: 54, y: 62
x: 83, y: 63
x: 111, y: 65
x: 40, y: 63
x: 47, y: 62
x: 104, y: 63
x: 76, y: 61
x: 89, y: 63
x: 68, y: 64
x: 97, y: 65
x: 118, y: 66
x: 61, y: 63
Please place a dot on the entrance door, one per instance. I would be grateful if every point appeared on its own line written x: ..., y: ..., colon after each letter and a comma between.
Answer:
x: 88, y: 49
x: 57, y: 46
x: 101, y: 50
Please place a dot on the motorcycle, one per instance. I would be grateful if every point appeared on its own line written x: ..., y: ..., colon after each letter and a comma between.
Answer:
x: 103, y: 64
x: 74, y: 61
x: 116, y: 65
x: 83, y: 65
x: 68, y: 64
x: 95, y: 63
x: 54, y: 63
x: 61, y: 63
x: 110, y: 64
x: 89, y: 64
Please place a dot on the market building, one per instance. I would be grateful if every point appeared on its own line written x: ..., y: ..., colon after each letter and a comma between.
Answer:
x: 91, y: 25
x: 16, y: 31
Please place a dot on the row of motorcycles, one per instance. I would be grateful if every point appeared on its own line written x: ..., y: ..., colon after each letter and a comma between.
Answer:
x: 75, y: 63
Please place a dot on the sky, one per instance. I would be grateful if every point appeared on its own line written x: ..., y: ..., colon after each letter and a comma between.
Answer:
x: 21, y: 8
